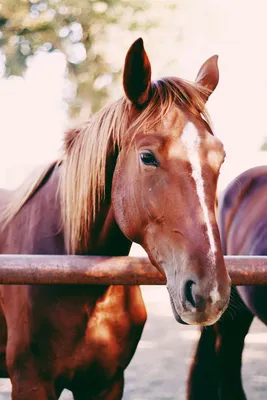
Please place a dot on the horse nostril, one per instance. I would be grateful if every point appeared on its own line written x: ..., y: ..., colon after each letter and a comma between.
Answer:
x: 193, y: 297
x: 188, y: 292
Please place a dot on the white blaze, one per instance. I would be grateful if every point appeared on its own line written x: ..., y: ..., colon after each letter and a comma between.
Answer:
x: 215, y: 295
x: 191, y: 140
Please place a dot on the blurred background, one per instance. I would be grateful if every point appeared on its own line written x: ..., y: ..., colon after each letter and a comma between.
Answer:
x: 61, y: 60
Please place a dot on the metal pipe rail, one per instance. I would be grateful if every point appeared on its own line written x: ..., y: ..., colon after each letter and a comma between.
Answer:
x: 98, y: 270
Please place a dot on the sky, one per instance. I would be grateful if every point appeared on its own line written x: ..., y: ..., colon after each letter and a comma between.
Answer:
x: 33, y: 117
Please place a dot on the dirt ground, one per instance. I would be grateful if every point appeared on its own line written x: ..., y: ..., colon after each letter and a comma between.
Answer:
x: 159, y: 368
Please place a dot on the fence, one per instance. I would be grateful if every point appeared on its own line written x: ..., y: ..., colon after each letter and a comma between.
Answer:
x: 98, y: 270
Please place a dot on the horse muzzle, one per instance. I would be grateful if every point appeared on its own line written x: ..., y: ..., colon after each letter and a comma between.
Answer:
x: 194, y: 306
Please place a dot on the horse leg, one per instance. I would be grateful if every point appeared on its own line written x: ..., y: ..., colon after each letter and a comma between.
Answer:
x: 28, y: 386
x: 29, y: 377
x: 203, y: 376
x: 3, y: 340
x: 230, y: 344
x: 216, y: 370
x: 31, y: 391
x: 3, y: 368
x: 28, y: 363
x: 113, y: 392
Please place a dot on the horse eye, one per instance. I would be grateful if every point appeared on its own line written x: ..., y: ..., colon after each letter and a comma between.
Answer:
x: 148, y: 158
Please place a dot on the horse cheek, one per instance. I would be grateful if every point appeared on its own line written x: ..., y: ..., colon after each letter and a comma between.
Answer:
x: 125, y: 206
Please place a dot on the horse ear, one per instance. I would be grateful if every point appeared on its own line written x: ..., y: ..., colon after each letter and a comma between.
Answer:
x: 208, y: 75
x: 137, y: 74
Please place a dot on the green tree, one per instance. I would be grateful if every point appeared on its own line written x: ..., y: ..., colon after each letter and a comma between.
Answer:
x: 75, y: 27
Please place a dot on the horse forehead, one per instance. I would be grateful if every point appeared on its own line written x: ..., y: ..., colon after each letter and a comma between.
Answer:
x: 174, y: 121
x: 195, y: 141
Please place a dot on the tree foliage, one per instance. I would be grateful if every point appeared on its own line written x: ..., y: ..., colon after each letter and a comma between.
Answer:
x: 74, y: 27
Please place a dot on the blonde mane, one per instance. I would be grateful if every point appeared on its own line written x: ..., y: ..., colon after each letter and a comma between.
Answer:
x: 82, y: 184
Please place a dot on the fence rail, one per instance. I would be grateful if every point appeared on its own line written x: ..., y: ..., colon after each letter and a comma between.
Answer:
x: 97, y: 270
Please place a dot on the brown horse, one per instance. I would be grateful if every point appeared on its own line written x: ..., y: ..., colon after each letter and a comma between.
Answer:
x: 216, y: 371
x: 143, y: 169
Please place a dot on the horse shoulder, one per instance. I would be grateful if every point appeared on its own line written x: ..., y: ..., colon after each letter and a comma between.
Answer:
x: 116, y: 324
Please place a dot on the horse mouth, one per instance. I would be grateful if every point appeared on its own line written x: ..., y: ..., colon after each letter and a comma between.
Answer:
x: 196, y: 318
x: 175, y: 312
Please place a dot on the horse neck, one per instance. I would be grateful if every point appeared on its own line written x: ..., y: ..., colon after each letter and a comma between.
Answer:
x: 106, y: 236
x: 40, y: 215
x: 45, y: 233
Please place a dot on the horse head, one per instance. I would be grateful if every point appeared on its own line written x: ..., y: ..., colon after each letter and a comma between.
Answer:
x: 164, y: 185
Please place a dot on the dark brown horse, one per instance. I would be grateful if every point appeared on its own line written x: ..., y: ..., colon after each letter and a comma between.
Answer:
x: 242, y: 213
x: 143, y: 169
